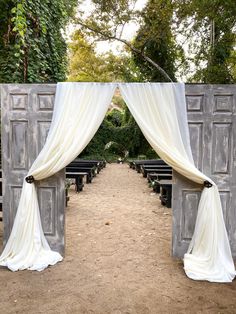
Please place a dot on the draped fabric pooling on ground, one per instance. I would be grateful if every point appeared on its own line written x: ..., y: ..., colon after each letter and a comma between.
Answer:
x: 160, y: 111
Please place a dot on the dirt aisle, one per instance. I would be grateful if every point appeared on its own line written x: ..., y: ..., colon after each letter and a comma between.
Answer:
x: 117, y: 259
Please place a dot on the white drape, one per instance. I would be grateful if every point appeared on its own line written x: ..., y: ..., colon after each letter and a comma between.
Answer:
x: 78, y: 112
x: 160, y: 111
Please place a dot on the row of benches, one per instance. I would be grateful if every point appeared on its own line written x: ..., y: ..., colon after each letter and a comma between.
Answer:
x: 159, y: 176
x: 80, y: 169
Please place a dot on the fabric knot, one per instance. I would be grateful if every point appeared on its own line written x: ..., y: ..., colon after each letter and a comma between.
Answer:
x: 207, y: 184
x: 29, y: 179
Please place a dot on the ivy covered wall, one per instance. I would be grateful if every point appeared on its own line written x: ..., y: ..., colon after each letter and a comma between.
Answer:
x: 118, y: 136
x: 32, y: 47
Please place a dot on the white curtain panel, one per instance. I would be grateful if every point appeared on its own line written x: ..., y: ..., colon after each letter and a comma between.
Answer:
x: 160, y: 111
x: 78, y: 112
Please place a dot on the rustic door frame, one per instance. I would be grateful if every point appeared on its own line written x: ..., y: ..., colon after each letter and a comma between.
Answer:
x: 28, y: 109
x: 26, y: 113
x: 211, y: 111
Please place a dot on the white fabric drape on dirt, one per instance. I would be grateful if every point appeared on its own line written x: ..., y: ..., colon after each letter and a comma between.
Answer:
x: 160, y: 111
x: 78, y: 112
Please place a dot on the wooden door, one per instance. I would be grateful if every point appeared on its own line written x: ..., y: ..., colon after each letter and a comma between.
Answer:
x: 26, y: 112
x: 212, y: 124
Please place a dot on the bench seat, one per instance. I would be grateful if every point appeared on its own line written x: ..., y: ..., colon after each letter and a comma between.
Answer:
x: 153, y: 179
x: 78, y: 176
x: 157, y: 171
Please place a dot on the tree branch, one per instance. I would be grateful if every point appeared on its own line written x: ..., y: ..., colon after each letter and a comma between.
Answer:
x: 129, y: 45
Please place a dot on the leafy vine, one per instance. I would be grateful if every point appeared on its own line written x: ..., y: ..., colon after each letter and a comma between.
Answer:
x: 32, y: 46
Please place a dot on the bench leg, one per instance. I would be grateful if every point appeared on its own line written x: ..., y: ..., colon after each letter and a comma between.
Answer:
x: 168, y: 196
x: 156, y: 188
x: 144, y: 174
x: 165, y: 197
x: 79, y: 184
x: 67, y: 197
x: 88, y: 178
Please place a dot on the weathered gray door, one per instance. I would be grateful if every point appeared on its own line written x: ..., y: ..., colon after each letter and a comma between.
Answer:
x: 212, y: 124
x: 25, y: 118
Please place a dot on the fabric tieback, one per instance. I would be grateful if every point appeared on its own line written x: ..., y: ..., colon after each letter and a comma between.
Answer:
x: 30, y: 179
x: 207, y: 184
x: 27, y: 246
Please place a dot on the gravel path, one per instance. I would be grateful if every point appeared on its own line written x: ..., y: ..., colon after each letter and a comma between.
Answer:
x: 118, y: 260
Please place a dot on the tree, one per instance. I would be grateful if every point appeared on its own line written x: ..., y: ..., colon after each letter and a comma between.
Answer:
x: 32, y: 47
x: 156, y: 40
x: 107, y: 21
x: 213, y: 28
x: 86, y: 65
x: 211, y: 49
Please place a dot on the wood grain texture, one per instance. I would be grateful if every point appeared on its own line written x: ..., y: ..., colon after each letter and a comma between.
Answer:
x: 26, y: 117
x: 212, y: 125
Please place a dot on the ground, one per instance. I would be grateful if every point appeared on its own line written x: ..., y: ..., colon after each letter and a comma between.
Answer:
x: 118, y: 259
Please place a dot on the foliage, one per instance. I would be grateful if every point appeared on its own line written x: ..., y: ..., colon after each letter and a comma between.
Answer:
x: 85, y: 65
x: 212, y: 24
x: 209, y: 29
x: 32, y: 47
x: 117, y: 149
x: 108, y: 17
x: 206, y: 53
x: 125, y: 135
x: 232, y: 64
x: 107, y: 21
x: 156, y: 39
x: 97, y: 144
x: 115, y: 117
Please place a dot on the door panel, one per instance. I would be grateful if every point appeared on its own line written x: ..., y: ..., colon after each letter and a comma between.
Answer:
x: 26, y: 112
x: 211, y: 113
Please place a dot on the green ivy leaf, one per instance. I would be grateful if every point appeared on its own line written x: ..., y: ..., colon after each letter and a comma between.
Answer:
x: 21, y: 32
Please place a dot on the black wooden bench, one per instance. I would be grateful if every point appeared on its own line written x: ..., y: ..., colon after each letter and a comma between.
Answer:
x: 99, y: 164
x: 166, y: 192
x: 83, y: 168
x: 80, y: 168
x: 157, y: 170
x: 145, y: 169
x: 152, y: 176
x: 79, y: 164
x: 67, y: 197
x: 136, y: 164
x: 78, y: 176
x: 153, y: 179
x: 153, y: 166
x: 102, y: 163
x: 139, y: 164
x: 88, y: 171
